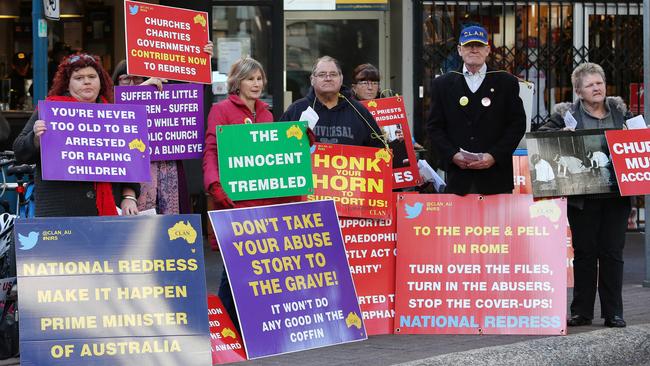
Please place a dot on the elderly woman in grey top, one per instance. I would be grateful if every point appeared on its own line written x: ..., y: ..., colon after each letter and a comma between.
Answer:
x: 598, y: 224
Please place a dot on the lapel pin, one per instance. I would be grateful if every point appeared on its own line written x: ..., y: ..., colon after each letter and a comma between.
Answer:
x: 463, y: 101
x: 486, y: 102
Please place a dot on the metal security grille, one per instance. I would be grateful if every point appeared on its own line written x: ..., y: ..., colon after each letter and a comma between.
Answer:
x: 538, y: 41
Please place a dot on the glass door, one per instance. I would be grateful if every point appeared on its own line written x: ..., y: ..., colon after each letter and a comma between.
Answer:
x: 353, y: 38
x: 249, y: 28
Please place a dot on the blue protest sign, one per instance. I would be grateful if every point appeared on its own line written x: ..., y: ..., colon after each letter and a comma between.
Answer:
x: 109, y: 291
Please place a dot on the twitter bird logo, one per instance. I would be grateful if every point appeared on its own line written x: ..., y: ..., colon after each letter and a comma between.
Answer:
x: 413, y: 211
x: 29, y: 241
x: 133, y: 9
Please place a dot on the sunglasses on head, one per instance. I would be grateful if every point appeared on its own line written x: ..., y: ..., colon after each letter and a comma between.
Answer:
x: 75, y: 58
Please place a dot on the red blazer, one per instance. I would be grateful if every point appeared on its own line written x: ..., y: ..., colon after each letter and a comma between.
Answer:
x: 233, y: 111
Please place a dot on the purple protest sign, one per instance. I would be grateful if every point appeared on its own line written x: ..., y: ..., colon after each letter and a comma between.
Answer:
x: 94, y: 142
x: 174, y: 118
x: 289, y: 276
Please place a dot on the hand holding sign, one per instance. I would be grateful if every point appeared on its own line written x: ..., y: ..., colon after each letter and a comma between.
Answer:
x: 39, y: 130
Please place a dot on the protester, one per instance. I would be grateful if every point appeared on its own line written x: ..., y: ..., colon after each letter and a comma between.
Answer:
x: 167, y: 192
x: 365, y: 82
x: 476, y: 109
x: 340, y: 119
x: 598, y: 224
x: 246, y: 82
x: 163, y: 193
x: 79, y: 78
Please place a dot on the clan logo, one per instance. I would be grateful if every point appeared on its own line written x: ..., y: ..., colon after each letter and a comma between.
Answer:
x: 200, y: 19
x: 353, y: 319
x: 182, y: 230
x: 137, y: 144
x: 294, y: 131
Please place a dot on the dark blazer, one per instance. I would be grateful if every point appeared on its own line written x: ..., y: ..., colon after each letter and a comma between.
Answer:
x: 495, y: 129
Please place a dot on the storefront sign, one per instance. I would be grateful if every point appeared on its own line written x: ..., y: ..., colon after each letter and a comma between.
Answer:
x: 119, y: 291
x: 166, y: 42
x: 261, y: 160
x: 51, y: 9
x: 630, y: 153
x: 94, y: 142
x: 362, y: 5
x: 174, y: 118
x: 480, y: 265
x: 390, y: 115
x: 289, y: 277
x: 357, y: 178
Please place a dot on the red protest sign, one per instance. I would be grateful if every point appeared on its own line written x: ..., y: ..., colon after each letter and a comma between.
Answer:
x: 227, y: 345
x: 480, y: 265
x: 521, y: 174
x: 166, y: 42
x: 370, y: 248
x: 390, y: 115
x: 630, y: 154
x: 357, y: 178
x: 637, y: 99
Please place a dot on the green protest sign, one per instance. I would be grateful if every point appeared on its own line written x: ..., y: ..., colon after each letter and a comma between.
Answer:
x: 264, y: 160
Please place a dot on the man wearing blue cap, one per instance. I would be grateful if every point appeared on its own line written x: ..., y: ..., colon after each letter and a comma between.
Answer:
x: 476, y: 120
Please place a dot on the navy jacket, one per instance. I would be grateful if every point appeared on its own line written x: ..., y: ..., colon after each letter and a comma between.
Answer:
x: 347, y: 123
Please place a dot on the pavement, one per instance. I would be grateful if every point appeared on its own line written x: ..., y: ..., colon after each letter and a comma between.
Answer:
x: 588, y: 345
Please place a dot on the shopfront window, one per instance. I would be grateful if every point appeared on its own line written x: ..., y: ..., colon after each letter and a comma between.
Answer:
x: 239, y: 31
x: 541, y: 42
x: 351, y: 41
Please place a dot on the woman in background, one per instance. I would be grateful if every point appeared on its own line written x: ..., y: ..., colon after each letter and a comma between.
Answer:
x: 167, y: 192
x: 598, y: 223
x: 246, y: 82
x: 79, y: 78
x: 365, y: 82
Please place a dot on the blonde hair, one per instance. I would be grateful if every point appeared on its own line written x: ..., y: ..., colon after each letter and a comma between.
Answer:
x: 583, y: 70
x: 242, y: 69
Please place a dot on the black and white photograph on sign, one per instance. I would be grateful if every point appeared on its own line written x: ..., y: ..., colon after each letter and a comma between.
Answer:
x: 394, y: 134
x: 566, y: 163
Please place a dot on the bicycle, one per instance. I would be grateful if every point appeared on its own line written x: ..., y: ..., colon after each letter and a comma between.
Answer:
x: 23, y: 186
x: 23, y: 208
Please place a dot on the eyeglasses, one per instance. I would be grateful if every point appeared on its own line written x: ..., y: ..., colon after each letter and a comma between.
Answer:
x: 367, y: 83
x: 75, y: 58
x: 130, y: 80
x: 325, y: 75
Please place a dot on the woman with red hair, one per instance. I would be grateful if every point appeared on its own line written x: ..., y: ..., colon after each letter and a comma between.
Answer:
x: 79, y: 78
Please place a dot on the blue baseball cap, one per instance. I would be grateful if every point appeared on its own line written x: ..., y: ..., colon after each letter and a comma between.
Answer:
x: 473, y: 33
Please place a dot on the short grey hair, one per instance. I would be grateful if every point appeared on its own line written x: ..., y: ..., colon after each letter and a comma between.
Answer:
x: 242, y: 69
x: 327, y: 59
x: 583, y: 70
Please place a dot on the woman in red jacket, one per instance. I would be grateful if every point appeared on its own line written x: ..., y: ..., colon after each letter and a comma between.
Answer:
x: 246, y: 81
